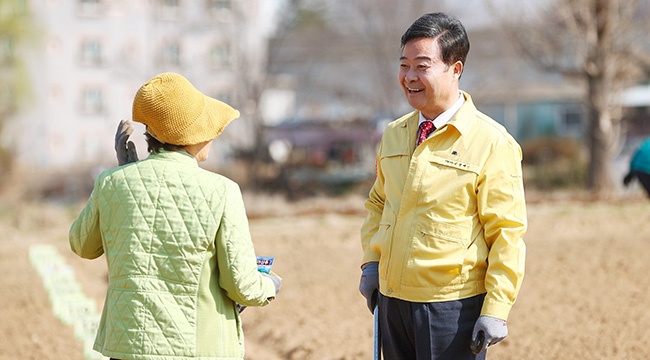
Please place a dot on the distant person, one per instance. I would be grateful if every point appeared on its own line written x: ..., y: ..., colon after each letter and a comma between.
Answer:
x: 443, y: 249
x: 640, y: 166
x: 176, y: 237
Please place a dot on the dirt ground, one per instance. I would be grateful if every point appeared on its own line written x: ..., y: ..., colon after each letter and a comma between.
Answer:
x: 585, y: 295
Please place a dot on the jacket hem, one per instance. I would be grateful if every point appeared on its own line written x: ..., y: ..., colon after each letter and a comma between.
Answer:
x: 433, y: 294
x: 120, y: 355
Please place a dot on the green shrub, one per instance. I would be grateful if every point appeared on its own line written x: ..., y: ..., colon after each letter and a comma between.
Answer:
x: 555, y: 163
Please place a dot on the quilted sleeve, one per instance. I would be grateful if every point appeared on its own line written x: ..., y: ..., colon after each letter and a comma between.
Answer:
x: 236, y: 260
x: 85, y: 236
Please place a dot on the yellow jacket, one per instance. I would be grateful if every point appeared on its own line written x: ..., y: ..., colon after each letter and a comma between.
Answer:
x: 446, y: 220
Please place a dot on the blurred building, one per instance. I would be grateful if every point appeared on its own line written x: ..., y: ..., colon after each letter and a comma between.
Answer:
x: 92, y: 56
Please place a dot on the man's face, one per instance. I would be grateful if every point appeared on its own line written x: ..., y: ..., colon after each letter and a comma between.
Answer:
x: 429, y: 84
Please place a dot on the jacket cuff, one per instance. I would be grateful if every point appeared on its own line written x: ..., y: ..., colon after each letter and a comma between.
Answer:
x: 496, y: 309
x: 369, y: 257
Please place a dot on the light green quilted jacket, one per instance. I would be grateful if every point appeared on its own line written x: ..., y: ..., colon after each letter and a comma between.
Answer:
x: 179, y: 256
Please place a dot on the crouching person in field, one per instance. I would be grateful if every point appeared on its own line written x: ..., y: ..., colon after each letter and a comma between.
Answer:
x: 176, y: 237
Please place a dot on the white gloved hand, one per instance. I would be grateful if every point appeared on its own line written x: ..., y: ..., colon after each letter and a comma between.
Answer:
x: 488, y: 331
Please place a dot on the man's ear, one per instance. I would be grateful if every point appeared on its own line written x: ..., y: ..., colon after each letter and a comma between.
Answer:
x: 458, y: 68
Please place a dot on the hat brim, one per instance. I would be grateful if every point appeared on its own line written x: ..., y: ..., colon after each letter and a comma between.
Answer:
x: 209, y: 124
x: 216, y: 116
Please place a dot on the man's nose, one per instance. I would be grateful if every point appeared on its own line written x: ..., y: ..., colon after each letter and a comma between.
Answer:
x: 410, y: 75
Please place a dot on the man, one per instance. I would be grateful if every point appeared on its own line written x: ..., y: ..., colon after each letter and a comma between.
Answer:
x: 443, y: 250
x: 640, y: 167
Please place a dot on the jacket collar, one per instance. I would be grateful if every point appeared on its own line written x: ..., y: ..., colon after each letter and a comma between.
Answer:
x: 176, y: 156
x: 463, y: 121
x: 465, y: 118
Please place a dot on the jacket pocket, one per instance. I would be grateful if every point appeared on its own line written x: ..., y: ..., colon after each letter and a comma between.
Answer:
x: 383, y: 236
x: 394, y: 165
x: 455, y: 164
x: 437, y: 255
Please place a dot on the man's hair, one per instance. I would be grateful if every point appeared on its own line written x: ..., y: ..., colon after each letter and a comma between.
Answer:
x: 154, y: 146
x: 450, y: 32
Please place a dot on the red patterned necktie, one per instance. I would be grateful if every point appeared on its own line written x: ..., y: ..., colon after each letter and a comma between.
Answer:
x: 426, y: 128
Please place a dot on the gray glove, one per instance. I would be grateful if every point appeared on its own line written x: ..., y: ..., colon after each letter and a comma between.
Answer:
x: 488, y: 331
x: 369, y: 284
x: 277, y: 282
x: 125, y: 151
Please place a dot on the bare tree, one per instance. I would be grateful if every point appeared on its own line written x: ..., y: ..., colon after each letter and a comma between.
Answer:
x: 251, y: 54
x: 378, y: 25
x: 601, y: 42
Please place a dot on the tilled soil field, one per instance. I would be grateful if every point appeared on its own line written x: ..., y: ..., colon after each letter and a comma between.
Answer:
x: 585, y: 295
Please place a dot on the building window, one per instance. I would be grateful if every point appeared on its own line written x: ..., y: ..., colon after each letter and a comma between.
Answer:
x: 92, y: 101
x: 218, y: 9
x: 169, y: 9
x: 89, y: 7
x: 170, y: 54
x: 220, y: 55
x: 91, y: 53
x: 571, y: 121
x: 219, y: 5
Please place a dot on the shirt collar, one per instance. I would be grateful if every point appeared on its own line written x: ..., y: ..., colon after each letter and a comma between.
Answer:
x: 444, y: 118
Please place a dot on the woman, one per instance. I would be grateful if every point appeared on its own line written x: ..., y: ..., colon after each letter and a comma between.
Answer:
x: 176, y: 237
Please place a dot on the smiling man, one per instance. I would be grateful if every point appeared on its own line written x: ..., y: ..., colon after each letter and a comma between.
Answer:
x: 443, y: 250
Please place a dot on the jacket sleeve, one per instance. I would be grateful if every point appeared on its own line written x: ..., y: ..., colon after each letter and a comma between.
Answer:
x: 236, y: 259
x: 375, y: 207
x: 85, y: 235
x: 502, y: 211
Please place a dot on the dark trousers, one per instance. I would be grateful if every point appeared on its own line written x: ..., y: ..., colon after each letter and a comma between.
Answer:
x: 428, y: 331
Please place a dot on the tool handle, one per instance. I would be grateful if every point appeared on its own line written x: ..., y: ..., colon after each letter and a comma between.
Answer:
x: 377, y: 336
x: 477, y: 344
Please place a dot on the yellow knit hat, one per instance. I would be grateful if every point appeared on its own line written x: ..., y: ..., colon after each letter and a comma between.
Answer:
x: 176, y: 113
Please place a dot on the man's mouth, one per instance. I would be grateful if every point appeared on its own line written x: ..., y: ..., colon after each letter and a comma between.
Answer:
x: 413, y: 90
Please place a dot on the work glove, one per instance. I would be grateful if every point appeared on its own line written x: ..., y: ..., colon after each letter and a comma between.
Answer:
x: 369, y: 284
x: 126, y: 152
x: 488, y: 331
x: 277, y: 283
x: 628, y: 178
